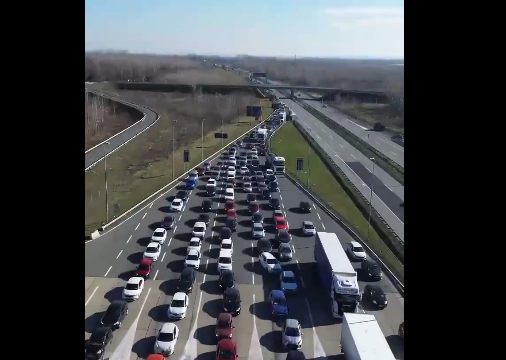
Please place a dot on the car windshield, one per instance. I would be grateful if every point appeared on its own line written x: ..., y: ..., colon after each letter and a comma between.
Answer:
x: 258, y: 229
x: 166, y: 337
x: 257, y: 217
x: 132, y: 286
x: 280, y: 301
x: 280, y: 222
x: 176, y: 203
x: 226, y: 246
x: 223, y: 325
x: 226, y: 354
x: 177, y: 303
x: 247, y: 185
x: 358, y: 249
x: 111, y: 316
x: 292, y: 332
x: 285, y: 250
x: 198, y: 229
x: 225, y: 260
x: 168, y: 219
x: 194, y: 243
x: 272, y: 261
x: 374, y: 267
x: 274, y: 201
x: 288, y: 280
x: 192, y: 257
x: 309, y: 226
x: 158, y: 234
x: 151, y: 250
x: 143, y: 267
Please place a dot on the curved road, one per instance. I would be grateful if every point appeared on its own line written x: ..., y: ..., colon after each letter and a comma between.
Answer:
x: 110, y: 260
x: 97, y: 153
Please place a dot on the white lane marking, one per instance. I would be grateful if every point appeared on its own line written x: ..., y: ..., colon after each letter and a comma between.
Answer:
x: 168, y: 245
x: 175, y: 228
x: 163, y: 256
x: 204, y: 280
x: 393, y: 153
x: 353, y: 156
x: 323, y: 226
x: 377, y: 142
x: 255, y: 348
x: 314, y: 207
x: 137, y: 227
x: 154, y: 277
x: 130, y: 238
x: 319, y: 217
x: 331, y: 137
x: 107, y: 273
x: 121, y: 252
x: 89, y: 299
x: 146, y: 214
x: 341, y: 145
x: 190, y: 349
x: 180, y: 216
x: 293, y: 249
x: 150, y: 206
x: 124, y: 349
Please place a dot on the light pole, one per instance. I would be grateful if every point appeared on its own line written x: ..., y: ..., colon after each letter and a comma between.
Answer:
x: 202, y: 147
x: 105, y: 180
x: 173, y: 147
x: 370, y: 199
x: 309, y: 163
x: 222, y: 131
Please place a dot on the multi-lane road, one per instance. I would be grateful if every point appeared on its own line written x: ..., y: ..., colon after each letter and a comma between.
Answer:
x: 111, y: 259
x: 98, y: 152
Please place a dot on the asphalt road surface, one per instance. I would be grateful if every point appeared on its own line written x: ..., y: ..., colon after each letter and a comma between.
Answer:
x: 111, y: 259
x: 388, y: 193
x: 98, y: 153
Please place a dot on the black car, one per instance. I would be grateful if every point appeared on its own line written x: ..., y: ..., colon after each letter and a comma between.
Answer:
x: 266, y: 194
x: 264, y: 245
x: 295, y: 355
x: 371, y: 270
x: 204, y: 218
x: 226, y: 280
x: 183, y: 195
x: 115, y: 314
x: 305, y: 207
x: 210, y: 190
x: 207, y: 205
x: 231, y: 223
x: 257, y: 218
x: 275, y: 204
x: 273, y: 186
x: 375, y: 294
x: 187, y: 280
x: 96, y: 344
x: 232, y: 301
x: 283, y: 236
x: 168, y: 222
x: 225, y: 233
x: 272, y: 178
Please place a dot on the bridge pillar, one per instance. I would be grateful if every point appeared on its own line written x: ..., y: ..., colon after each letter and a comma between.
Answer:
x: 292, y: 94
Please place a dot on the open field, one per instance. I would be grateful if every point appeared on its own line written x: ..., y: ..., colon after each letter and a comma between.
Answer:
x: 371, y: 113
x: 144, y: 166
x: 103, y: 119
x: 290, y: 144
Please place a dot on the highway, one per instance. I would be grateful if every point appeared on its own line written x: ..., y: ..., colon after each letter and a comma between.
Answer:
x: 388, y: 193
x: 110, y: 260
x: 97, y: 153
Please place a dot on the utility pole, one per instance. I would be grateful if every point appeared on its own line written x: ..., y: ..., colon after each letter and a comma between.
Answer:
x: 173, y: 149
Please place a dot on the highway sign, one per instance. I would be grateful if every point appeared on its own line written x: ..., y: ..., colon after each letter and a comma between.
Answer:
x: 255, y: 111
x: 220, y: 135
x: 300, y: 164
x: 186, y: 156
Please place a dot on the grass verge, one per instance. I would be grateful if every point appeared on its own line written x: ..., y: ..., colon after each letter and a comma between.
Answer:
x: 388, y: 165
x: 291, y: 144
x: 144, y: 166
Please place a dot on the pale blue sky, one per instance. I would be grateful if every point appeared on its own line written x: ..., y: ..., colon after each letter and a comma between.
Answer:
x: 323, y: 28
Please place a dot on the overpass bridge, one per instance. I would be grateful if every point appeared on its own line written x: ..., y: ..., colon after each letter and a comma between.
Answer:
x: 328, y: 93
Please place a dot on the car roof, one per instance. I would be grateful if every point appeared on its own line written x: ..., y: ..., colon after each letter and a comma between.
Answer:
x: 375, y: 287
x: 134, y: 280
x: 116, y: 304
x: 226, y: 241
x: 258, y: 225
x: 223, y: 229
x: 227, y: 344
x: 227, y: 272
x: 187, y: 271
x: 355, y: 243
x: 224, y: 317
x: 168, y: 327
x: 232, y: 292
x: 288, y: 274
x: 199, y: 224
x: 292, y: 323
x: 177, y: 200
x: 159, y: 230
x: 146, y: 261
x: 308, y: 223
x: 153, y: 244
x: 179, y: 296
x: 278, y: 294
x: 225, y: 253
x: 192, y: 251
x: 268, y: 255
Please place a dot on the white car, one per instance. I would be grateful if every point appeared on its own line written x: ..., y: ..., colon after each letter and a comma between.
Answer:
x: 225, y: 260
x: 229, y: 194
x: 244, y: 170
x: 308, y: 228
x: 159, y: 235
x: 355, y: 251
x: 133, y: 289
x: 153, y: 251
x: 195, y: 243
x: 177, y: 205
x: 199, y: 230
x: 192, y: 259
x: 166, y: 339
x: 258, y: 231
x: 247, y: 187
x: 270, y: 263
x: 178, y: 306
x: 230, y: 176
x: 211, y: 182
x: 269, y: 172
x: 227, y: 244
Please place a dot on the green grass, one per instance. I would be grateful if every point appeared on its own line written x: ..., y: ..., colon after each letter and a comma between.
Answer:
x: 289, y: 143
x: 144, y: 166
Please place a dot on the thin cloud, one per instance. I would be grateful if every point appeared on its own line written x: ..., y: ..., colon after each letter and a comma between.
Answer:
x: 366, y: 16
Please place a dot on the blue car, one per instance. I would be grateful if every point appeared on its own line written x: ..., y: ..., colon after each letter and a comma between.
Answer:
x: 279, y: 307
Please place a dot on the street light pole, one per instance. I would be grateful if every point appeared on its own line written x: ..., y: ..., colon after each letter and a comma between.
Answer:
x: 309, y: 163
x: 173, y: 147
x: 370, y: 200
x: 202, y: 147
x: 106, y: 184
x: 222, y: 131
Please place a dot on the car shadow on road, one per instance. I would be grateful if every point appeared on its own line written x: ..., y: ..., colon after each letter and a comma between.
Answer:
x: 114, y: 294
x: 144, y: 347
x: 213, y: 308
x: 159, y: 313
x: 211, y: 287
x: 254, y: 268
x: 92, y: 322
x: 169, y: 287
x: 211, y: 355
x: 272, y: 342
x: 144, y: 241
x: 180, y: 251
x: 206, y: 335
x: 135, y: 258
x: 396, y: 345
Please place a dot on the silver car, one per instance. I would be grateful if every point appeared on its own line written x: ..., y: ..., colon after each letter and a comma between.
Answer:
x: 285, y: 252
x: 292, y: 334
x: 258, y: 231
x: 288, y: 283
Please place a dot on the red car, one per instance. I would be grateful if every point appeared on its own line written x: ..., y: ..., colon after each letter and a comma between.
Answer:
x: 229, y: 205
x: 226, y: 350
x: 231, y: 214
x: 224, y: 326
x: 144, y: 269
x: 281, y: 224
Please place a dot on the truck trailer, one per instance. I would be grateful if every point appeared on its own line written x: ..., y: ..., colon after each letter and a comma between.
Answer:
x: 337, y: 274
x: 362, y: 339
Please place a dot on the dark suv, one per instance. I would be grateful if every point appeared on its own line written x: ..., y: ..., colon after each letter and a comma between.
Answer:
x: 305, y: 207
x: 115, y: 314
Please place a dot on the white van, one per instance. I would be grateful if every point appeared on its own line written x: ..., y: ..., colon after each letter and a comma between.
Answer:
x: 225, y: 260
x: 229, y: 194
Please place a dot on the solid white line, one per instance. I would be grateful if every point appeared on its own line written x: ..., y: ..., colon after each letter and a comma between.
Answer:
x: 353, y: 156
x: 204, y: 280
x: 255, y: 348
x: 89, y: 299
x: 107, y: 273
x: 154, y: 277
x: 119, y: 254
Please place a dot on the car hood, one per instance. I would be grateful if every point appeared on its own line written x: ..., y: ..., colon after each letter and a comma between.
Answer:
x: 150, y: 255
x: 192, y: 262
x: 177, y: 310
x: 165, y: 345
x: 360, y: 254
x: 291, y: 339
x: 130, y: 292
x: 280, y: 309
x: 224, y: 332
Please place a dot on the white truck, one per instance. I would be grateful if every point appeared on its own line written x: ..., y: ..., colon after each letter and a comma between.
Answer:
x: 261, y: 135
x: 337, y: 274
x: 276, y: 163
x: 362, y: 339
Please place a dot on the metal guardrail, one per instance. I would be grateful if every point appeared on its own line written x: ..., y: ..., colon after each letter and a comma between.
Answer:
x: 398, y: 284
